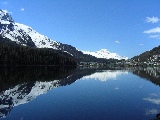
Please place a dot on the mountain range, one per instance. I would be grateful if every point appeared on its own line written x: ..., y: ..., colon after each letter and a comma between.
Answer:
x: 104, y: 53
x: 26, y: 36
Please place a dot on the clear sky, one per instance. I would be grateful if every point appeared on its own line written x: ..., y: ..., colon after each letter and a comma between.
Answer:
x: 126, y: 27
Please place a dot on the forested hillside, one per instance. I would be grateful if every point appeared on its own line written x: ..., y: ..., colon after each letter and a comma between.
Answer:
x: 151, y: 55
x: 14, y: 54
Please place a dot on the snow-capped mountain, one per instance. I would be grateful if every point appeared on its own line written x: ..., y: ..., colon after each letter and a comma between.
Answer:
x: 27, y: 36
x: 104, y: 53
x: 23, y: 34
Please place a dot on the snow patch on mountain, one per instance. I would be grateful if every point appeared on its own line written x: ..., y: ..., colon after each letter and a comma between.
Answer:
x: 104, y: 53
x: 40, y: 41
x: 4, y: 16
x: 23, y: 34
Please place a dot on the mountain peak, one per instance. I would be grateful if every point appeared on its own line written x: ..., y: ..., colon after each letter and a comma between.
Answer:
x: 104, y: 53
x: 23, y: 34
x: 4, y: 16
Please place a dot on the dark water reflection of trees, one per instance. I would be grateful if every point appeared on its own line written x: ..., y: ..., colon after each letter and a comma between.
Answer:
x: 19, y: 82
x: 151, y: 74
x: 11, y: 76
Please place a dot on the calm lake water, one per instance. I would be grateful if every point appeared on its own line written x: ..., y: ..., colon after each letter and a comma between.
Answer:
x: 47, y: 93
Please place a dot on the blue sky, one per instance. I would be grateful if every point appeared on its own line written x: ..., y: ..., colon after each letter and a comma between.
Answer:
x: 122, y: 26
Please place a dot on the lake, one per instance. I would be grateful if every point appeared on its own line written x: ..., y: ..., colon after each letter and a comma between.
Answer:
x: 52, y: 93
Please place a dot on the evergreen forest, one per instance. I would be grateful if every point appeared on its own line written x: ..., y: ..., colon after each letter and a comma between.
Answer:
x: 13, y: 54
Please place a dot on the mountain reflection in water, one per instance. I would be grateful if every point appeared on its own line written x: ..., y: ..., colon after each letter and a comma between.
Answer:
x: 20, y: 85
x: 105, y: 75
x: 151, y: 74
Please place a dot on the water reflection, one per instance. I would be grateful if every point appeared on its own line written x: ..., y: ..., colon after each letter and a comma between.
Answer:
x: 151, y: 74
x: 6, y: 104
x: 155, y: 100
x: 105, y: 75
x: 21, y: 85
